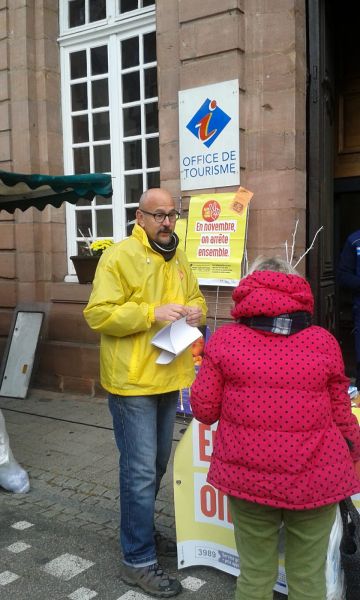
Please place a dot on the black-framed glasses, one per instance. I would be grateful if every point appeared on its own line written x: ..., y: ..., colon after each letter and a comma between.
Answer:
x: 160, y: 217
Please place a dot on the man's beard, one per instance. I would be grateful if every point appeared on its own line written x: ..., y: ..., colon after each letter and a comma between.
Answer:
x: 170, y: 233
x: 167, y: 249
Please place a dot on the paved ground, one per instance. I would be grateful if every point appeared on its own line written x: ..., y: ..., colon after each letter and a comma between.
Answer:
x: 60, y: 540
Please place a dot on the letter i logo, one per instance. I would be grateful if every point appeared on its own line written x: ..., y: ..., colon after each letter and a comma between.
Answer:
x: 203, y: 125
x: 208, y: 122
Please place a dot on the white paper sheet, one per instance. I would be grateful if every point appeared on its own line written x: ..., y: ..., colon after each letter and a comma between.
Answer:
x: 173, y: 339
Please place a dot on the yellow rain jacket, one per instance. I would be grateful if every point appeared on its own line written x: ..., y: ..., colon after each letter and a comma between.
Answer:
x: 131, y: 281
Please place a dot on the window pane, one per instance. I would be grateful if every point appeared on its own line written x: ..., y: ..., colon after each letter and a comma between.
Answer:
x: 78, y: 64
x: 99, y: 60
x: 83, y: 202
x: 133, y: 188
x: 152, y: 152
x: 101, y: 126
x: 79, y: 97
x: 97, y: 10
x: 150, y: 82
x: 150, y: 47
x: 152, y: 117
x: 131, y: 87
x: 104, y: 223
x: 132, y: 120
x: 80, y: 129
x: 148, y: 3
x: 133, y: 158
x: 83, y: 221
x: 76, y: 13
x: 102, y: 159
x: 130, y: 219
x: 126, y: 5
x: 100, y: 200
x: 153, y: 179
x: 130, y: 53
x: 81, y: 160
x: 100, y: 93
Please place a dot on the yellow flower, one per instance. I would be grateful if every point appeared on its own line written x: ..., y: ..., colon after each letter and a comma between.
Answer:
x: 98, y: 246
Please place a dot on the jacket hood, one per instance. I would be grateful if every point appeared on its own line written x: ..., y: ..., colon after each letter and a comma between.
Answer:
x: 271, y: 293
x: 140, y: 234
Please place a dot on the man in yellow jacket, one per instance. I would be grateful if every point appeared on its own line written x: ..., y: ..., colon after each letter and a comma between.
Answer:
x: 142, y: 284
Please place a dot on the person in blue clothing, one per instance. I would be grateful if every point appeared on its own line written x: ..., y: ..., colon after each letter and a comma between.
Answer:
x: 349, y: 277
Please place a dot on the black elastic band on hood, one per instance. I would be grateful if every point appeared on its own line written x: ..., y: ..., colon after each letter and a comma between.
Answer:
x: 166, y: 250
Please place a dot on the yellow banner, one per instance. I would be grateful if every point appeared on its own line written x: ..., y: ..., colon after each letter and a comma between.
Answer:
x: 203, y: 525
x: 181, y: 226
x: 216, y: 235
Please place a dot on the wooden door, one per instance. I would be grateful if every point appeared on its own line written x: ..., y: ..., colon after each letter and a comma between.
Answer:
x: 320, y: 156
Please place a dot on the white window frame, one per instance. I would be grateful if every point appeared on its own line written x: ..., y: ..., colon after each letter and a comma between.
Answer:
x: 113, y: 18
x: 110, y: 33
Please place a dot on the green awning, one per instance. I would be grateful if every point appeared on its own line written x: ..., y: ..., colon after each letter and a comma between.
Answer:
x: 18, y: 190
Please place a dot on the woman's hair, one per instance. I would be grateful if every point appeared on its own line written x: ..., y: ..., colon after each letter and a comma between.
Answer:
x: 274, y: 263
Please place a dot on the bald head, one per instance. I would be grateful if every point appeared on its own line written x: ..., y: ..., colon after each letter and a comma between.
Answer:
x: 155, y: 197
x: 156, y: 200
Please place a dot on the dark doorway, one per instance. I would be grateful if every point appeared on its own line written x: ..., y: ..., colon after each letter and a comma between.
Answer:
x: 347, y: 220
x: 347, y: 160
x: 333, y: 157
x: 320, y: 157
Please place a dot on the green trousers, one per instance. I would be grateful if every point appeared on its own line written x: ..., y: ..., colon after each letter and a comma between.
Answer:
x: 307, y: 534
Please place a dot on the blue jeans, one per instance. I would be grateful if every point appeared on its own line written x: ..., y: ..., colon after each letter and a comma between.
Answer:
x: 143, y: 427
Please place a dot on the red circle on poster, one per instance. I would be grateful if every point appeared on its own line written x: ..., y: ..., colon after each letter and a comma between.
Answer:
x: 211, y: 210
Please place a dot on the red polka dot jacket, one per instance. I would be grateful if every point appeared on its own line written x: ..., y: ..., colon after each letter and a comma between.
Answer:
x: 281, y: 401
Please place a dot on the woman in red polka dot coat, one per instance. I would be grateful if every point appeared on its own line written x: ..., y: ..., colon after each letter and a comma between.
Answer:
x: 286, y: 441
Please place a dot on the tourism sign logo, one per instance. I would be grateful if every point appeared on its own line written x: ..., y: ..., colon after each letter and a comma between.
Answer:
x: 208, y: 122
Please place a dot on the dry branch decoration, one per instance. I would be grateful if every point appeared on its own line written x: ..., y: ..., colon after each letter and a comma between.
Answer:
x: 290, y: 260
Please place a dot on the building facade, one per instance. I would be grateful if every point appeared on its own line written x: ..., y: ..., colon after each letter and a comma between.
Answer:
x: 92, y: 86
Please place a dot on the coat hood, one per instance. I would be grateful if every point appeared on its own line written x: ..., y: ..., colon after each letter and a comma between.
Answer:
x: 271, y: 293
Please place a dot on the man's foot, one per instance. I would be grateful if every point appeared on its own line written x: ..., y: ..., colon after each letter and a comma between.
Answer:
x: 152, y: 580
x: 164, y: 546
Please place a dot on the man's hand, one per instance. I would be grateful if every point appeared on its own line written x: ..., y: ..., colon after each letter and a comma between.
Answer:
x: 170, y: 312
x: 194, y: 316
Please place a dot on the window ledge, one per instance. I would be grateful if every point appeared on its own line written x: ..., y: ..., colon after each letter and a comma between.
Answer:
x: 70, y: 292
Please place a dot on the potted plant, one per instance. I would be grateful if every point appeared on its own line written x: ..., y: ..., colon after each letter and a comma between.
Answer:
x: 86, y: 261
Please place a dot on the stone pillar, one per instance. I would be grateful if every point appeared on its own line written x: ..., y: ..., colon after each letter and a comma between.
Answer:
x: 36, y: 140
x: 275, y: 124
x: 8, y: 286
x: 168, y: 58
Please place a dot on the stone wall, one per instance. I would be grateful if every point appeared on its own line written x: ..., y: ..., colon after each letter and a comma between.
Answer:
x: 8, y: 288
x: 32, y: 244
x: 260, y: 42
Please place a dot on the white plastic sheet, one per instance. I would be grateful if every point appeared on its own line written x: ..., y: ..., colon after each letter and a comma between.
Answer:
x: 334, y: 574
x: 13, y: 477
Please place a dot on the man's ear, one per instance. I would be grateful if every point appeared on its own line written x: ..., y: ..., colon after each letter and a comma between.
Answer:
x: 139, y: 218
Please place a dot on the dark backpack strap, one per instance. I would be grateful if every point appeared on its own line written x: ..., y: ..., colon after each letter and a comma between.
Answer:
x: 348, y: 509
x: 350, y: 548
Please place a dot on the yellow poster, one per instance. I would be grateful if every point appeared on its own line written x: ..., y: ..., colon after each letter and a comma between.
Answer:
x: 216, y: 236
